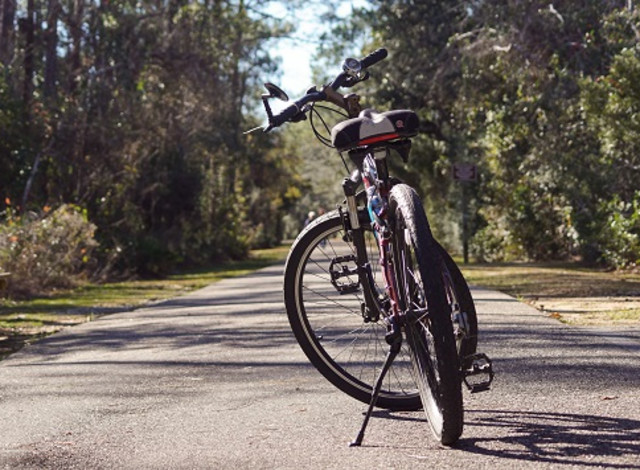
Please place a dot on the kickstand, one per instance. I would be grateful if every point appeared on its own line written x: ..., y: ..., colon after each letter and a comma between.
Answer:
x: 394, y: 338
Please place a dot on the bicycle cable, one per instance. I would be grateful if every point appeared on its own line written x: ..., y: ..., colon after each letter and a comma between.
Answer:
x: 313, y: 111
x: 324, y: 140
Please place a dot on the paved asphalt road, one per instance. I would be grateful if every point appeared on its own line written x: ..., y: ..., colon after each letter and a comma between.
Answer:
x: 215, y: 379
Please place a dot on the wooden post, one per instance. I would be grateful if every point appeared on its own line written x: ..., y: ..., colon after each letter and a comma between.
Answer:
x: 465, y: 173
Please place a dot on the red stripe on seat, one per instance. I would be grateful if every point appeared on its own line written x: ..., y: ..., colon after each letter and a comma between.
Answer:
x: 379, y: 138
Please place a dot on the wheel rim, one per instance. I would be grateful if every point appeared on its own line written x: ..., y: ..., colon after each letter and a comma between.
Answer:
x: 352, y: 349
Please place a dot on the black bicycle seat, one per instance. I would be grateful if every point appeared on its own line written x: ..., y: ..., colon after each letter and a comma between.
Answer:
x: 371, y: 127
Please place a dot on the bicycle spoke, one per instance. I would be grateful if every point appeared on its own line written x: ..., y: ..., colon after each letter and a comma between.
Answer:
x: 331, y: 300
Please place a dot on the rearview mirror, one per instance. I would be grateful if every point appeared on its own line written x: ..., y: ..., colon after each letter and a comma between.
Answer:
x: 276, y: 92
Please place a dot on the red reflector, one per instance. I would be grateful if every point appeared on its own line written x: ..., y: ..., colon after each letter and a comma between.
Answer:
x: 378, y: 138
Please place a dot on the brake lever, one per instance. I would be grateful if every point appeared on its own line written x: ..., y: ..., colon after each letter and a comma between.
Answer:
x: 353, y: 80
x: 301, y: 116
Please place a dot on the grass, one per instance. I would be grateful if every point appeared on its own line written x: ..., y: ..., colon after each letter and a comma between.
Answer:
x: 571, y: 293
x: 24, y: 321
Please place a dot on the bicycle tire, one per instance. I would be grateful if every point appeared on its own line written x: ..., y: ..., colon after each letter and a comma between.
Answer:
x: 329, y: 326
x: 428, y: 328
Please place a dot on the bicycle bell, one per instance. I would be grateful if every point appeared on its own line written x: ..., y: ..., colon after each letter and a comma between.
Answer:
x: 352, y: 67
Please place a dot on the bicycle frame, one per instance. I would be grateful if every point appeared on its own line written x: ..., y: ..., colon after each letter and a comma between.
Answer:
x: 373, y: 173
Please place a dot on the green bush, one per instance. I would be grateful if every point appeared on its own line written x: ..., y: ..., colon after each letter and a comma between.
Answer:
x: 620, y: 234
x: 494, y: 243
x: 45, y: 251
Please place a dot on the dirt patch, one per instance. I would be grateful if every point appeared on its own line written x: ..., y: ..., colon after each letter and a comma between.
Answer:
x: 13, y: 339
x: 570, y: 293
x: 591, y: 311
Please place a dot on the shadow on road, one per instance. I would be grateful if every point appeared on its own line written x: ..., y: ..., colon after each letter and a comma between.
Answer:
x: 561, y: 438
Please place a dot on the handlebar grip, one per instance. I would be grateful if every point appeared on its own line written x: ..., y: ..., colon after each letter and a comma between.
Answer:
x: 374, y: 58
x: 285, y: 115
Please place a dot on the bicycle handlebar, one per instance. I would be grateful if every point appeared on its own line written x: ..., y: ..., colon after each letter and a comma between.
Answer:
x: 283, y: 116
x: 373, y: 58
x: 313, y: 95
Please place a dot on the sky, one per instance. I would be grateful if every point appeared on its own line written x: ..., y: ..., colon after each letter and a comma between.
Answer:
x: 295, y: 53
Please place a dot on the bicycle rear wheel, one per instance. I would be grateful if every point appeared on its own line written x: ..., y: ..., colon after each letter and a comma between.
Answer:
x: 327, y: 321
x: 420, y: 285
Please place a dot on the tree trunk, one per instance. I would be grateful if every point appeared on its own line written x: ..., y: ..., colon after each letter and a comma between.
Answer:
x: 51, y: 50
x: 75, y: 29
x: 7, y: 30
x: 28, y: 29
x: 235, y: 111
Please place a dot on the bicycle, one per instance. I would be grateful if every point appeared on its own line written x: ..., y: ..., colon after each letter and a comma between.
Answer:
x: 361, y: 278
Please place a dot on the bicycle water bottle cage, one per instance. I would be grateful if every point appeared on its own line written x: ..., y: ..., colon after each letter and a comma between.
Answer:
x: 371, y: 127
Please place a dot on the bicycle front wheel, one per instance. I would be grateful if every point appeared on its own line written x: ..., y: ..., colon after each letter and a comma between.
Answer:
x: 422, y: 294
x: 324, y: 311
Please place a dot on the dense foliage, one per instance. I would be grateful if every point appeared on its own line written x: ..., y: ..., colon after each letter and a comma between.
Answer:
x: 543, y: 97
x: 134, y: 111
x: 128, y: 117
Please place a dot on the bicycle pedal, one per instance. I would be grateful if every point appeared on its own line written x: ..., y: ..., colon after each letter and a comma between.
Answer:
x: 339, y: 269
x: 477, y: 372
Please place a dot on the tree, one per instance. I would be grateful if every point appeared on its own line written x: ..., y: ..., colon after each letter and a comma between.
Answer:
x: 7, y: 30
x: 504, y: 83
x: 135, y: 112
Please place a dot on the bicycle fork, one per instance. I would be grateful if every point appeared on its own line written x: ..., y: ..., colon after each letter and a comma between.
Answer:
x: 371, y: 309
